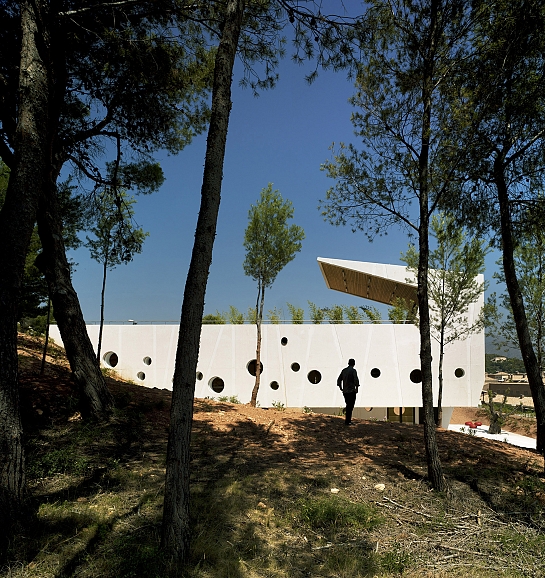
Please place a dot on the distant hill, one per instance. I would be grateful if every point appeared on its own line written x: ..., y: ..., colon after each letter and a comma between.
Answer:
x: 510, y: 365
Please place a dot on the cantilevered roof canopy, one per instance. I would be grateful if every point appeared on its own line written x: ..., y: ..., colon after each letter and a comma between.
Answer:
x: 374, y: 281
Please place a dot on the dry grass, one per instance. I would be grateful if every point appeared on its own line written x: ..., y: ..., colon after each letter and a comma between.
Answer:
x: 262, y: 500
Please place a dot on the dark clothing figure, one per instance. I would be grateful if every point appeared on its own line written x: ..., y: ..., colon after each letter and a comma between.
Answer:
x: 349, y: 383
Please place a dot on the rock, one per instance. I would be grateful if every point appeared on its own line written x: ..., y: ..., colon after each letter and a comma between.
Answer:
x: 334, y: 490
x: 380, y: 487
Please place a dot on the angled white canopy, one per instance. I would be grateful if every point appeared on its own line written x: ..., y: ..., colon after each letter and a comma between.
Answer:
x: 374, y: 281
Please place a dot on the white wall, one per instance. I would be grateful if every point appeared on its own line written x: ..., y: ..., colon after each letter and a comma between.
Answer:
x: 226, y: 351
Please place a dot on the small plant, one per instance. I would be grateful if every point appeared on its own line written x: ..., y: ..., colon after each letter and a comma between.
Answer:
x: 297, y: 314
x: 334, y: 512
x: 234, y: 399
x: 107, y: 371
x: 61, y: 461
x: 278, y: 405
x: 497, y: 412
x: 307, y: 409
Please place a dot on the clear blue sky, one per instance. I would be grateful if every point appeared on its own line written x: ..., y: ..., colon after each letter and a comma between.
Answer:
x: 281, y: 137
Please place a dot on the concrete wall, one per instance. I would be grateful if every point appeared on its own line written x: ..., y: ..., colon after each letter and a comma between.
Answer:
x: 146, y: 354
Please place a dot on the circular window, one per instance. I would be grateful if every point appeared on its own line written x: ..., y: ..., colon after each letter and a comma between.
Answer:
x: 284, y: 341
x: 216, y: 384
x: 147, y: 360
x: 111, y: 359
x: 314, y: 376
x: 252, y: 365
x: 375, y: 372
x: 399, y: 410
x: 416, y: 376
x: 274, y: 385
x: 141, y: 375
x: 199, y: 375
x: 368, y: 408
x: 295, y: 366
x: 459, y: 372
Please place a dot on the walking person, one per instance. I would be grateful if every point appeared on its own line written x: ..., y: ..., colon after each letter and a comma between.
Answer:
x: 348, y: 383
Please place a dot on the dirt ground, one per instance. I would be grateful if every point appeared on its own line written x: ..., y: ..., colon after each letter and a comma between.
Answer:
x: 311, y: 436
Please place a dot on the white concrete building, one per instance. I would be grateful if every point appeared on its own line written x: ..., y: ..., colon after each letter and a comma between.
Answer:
x: 301, y: 363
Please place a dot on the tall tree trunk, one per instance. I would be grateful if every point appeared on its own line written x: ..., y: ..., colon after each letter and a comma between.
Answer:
x: 539, y: 320
x: 176, y: 533
x: 435, y: 469
x: 102, y: 294
x: 259, y: 320
x: 29, y: 173
x: 440, y: 394
x: 531, y: 364
x: 95, y: 399
x: 46, y: 341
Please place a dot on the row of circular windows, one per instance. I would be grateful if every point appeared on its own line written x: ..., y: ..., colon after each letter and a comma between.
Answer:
x: 111, y: 359
x: 314, y: 376
x: 217, y: 384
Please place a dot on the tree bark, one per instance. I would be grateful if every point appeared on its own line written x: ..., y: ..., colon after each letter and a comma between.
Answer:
x: 531, y: 364
x: 94, y: 397
x: 439, y: 422
x: 46, y: 341
x: 102, y: 294
x: 29, y: 173
x: 176, y: 533
x: 435, y: 469
x: 259, y: 321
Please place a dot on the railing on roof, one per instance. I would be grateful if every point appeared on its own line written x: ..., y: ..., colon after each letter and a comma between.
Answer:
x: 265, y: 322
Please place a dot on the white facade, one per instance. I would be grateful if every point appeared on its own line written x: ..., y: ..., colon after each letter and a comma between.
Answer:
x: 301, y: 363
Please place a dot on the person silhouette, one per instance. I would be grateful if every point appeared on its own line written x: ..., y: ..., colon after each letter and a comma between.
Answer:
x: 348, y: 383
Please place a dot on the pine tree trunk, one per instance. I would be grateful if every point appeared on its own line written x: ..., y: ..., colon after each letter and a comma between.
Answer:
x: 176, y: 532
x: 102, y: 294
x: 94, y: 397
x: 531, y: 364
x: 29, y: 173
x: 46, y: 341
x: 440, y: 394
x: 435, y: 469
x: 259, y: 321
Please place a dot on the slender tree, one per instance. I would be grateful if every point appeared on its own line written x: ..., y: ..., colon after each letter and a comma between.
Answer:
x: 258, y: 40
x: 453, y: 287
x: 404, y: 100
x: 529, y: 255
x: 504, y: 84
x: 176, y: 532
x: 116, y: 238
x: 270, y: 245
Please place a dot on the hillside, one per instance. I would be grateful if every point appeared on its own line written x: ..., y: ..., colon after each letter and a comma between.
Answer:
x: 275, y: 493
